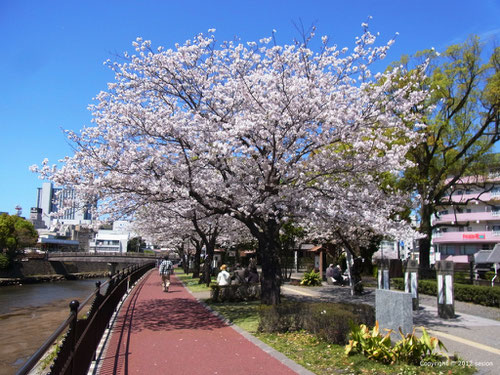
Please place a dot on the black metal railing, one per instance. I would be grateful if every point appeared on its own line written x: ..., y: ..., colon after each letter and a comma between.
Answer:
x: 78, y: 348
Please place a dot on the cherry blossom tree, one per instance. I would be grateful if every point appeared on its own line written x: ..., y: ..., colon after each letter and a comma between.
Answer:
x: 259, y: 131
x: 181, y: 222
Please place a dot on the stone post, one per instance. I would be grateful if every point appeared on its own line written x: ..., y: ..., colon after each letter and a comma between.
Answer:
x: 383, y: 274
x: 445, y: 298
x: 112, y: 268
x: 411, y: 281
x: 393, y: 311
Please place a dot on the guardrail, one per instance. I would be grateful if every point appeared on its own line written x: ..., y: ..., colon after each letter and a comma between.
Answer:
x: 82, y: 337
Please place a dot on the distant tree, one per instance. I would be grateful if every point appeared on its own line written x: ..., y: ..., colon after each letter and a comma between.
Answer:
x: 462, y: 120
x: 185, y: 219
x: 290, y: 237
x: 16, y: 233
x: 135, y: 245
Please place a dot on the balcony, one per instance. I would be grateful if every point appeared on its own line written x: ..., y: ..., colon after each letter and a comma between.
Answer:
x: 99, y: 247
x: 484, y: 197
x: 468, y: 217
x: 466, y: 237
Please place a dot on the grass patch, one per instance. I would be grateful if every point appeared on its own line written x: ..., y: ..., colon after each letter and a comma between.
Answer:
x: 243, y: 314
x: 316, y: 354
x: 192, y: 284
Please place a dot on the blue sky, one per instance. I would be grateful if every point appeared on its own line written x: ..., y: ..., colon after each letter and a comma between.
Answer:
x: 52, y: 54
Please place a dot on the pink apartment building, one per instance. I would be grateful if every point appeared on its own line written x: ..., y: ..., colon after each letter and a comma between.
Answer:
x: 470, y: 219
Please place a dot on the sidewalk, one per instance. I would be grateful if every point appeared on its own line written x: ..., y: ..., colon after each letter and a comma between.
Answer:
x: 160, y: 333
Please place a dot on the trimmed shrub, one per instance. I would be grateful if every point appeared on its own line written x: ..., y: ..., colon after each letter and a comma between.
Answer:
x: 481, y: 295
x: 462, y: 277
x: 235, y: 293
x: 330, y: 321
x: 285, y: 317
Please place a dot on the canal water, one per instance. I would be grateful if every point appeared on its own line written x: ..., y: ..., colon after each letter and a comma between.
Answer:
x: 30, y: 313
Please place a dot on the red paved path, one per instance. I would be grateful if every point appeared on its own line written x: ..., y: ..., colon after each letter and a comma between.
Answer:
x: 172, y: 333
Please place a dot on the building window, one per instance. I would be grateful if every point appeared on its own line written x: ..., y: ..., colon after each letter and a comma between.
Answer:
x: 450, y: 250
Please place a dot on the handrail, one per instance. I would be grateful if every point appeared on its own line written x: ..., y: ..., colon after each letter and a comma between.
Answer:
x: 103, y: 253
x: 75, y: 308
x: 33, y: 360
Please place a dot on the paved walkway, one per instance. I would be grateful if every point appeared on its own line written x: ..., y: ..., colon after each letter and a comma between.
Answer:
x: 173, y: 333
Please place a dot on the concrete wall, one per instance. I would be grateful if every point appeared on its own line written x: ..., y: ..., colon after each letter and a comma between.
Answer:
x: 41, y: 267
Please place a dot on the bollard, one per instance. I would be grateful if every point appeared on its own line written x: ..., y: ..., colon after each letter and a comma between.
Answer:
x: 383, y: 274
x: 411, y: 281
x: 446, y: 305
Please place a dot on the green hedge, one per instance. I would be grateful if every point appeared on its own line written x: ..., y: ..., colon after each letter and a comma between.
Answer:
x: 330, y: 321
x: 481, y: 295
x: 234, y: 293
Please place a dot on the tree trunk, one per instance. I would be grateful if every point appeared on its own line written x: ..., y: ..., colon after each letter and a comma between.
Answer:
x: 269, y: 253
x: 425, y: 243
x: 196, y: 265
x: 206, y: 275
x: 207, y: 270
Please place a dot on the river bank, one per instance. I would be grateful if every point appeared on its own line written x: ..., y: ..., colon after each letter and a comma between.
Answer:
x: 35, y: 279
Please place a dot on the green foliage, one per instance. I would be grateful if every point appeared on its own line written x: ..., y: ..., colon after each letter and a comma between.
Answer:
x: 461, y: 277
x: 378, y: 347
x: 371, y: 344
x: 235, y: 293
x: 320, y: 356
x: 461, y: 115
x: 311, y: 279
x: 328, y: 321
x: 15, y: 234
x: 489, y: 275
x: 290, y: 235
x: 49, y: 359
x: 4, y: 262
x: 285, y: 317
x: 478, y: 294
x: 135, y: 244
x: 412, y: 350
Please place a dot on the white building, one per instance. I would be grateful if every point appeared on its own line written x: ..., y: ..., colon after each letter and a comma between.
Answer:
x: 469, y: 219
x: 113, y: 240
